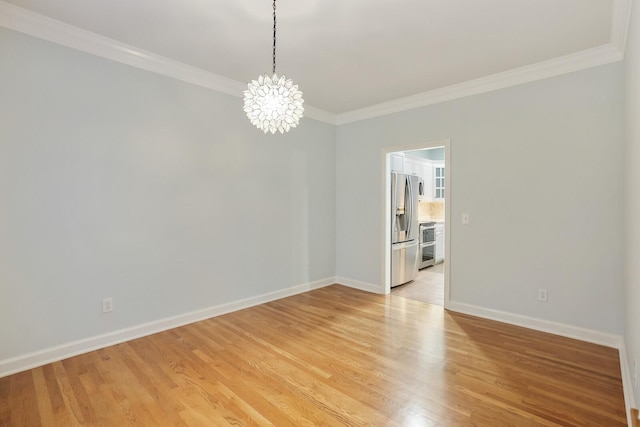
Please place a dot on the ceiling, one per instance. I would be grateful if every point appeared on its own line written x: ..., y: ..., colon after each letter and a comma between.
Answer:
x: 348, y: 55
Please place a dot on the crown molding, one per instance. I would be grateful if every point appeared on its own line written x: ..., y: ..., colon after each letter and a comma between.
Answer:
x: 52, y: 30
x: 40, y: 26
x: 541, y: 70
x: 25, y: 21
x: 319, y: 114
x: 611, y: 52
x: 620, y: 17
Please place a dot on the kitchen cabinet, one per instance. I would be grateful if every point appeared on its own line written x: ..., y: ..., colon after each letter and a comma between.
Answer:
x: 439, y: 242
x: 397, y: 163
x: 408, y: 166
x: 412, y: 166
x: 420, y: 167
x: 417, y: 168
x: 438, y: 181
x: 427, y: 176
x: 432, y: 173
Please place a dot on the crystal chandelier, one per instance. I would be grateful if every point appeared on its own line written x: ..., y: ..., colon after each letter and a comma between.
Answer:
x: 273, y: 103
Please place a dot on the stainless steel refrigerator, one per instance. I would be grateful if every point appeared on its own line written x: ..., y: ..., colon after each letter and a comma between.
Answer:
x: 404, y: 228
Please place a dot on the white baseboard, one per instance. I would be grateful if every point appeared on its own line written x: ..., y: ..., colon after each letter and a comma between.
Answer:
x: 74, y: 348
x: 627, y: 382
x: 569, y: 331
x: 356, y: 284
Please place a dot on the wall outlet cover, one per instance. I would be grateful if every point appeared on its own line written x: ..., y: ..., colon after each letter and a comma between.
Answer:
x: 107, y: 305
x: 542, y: 295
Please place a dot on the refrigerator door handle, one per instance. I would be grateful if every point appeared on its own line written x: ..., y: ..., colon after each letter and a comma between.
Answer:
x: 408, y: 202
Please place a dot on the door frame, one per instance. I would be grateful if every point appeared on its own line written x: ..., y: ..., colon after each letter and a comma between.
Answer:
x: 386, y: 211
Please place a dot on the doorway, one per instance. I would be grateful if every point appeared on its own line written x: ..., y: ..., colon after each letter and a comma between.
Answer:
x: 428, y: 166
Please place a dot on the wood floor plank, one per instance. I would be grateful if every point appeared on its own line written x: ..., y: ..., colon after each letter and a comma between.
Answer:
x: 23, y: 403
x: 45, y: 408
x: 333, y: 356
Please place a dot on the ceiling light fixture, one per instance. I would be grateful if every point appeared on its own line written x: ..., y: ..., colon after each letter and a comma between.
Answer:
x: 273, y: 103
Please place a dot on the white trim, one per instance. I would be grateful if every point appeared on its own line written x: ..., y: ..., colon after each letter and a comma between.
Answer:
x: 620, y: 17
x: 385, y: 265
x: 627, y: 382
x: 317, y: 114
x: 386, y: 215
x: 43, y: 27
x: 447, y: 223
x: 74, y: 348
x: 25, y: 21
x: 569, y: 331
x: 576, y: 61
x: 608, y: 53
x: 356, y: 284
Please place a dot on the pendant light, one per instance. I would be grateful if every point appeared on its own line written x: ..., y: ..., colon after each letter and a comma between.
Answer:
x: 273, y: 103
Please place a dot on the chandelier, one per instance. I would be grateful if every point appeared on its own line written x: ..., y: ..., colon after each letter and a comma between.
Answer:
x: 273, y: 103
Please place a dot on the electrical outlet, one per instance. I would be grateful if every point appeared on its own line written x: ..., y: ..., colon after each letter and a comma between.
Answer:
x: 542, y: 295
x: 465, y: 218
x: 107, y: 305
x: 635, y: 373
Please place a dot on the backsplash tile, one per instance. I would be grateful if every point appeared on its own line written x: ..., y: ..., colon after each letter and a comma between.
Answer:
x: 437, y: 211
x: 424, y: 210
x: 431, y: 211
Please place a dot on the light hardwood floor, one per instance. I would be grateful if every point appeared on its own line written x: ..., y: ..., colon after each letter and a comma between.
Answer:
x: 332, y: 356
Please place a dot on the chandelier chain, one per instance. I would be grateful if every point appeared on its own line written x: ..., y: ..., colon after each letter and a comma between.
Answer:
x: 274, y: 36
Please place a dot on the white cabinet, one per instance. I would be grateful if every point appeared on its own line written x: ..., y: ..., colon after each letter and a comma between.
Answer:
x: 412, y: 166
x: 408, y: 166
x: 438, y: 181
x: 420, y: 167
x: 432, y: 173
x: 427, y: 176
x: 397, y: 163
x: 439, y: 242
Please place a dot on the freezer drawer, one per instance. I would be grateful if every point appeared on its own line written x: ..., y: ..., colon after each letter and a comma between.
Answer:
x: 404, y: 262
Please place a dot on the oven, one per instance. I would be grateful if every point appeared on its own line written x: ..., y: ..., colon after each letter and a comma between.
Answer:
x: 427, y: 249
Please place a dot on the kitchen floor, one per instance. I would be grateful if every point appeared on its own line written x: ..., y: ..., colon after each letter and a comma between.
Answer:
x: 427, y: 287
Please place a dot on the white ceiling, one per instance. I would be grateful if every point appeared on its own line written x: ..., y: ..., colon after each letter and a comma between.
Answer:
x: 347, y: 55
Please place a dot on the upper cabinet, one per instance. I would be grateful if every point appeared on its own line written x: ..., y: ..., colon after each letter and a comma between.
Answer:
x: 438, y: 181
x: 397, y: 162
x: 412, y: 166
x: 424, y: 169
x: 408, y: 165
x: 431, y: 172
x: 427, y: 176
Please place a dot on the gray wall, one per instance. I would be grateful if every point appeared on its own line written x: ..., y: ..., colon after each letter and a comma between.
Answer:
x: 537, y: 166
x: 115, y: 182
x: 122, y: 183
x: 632, y: 196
